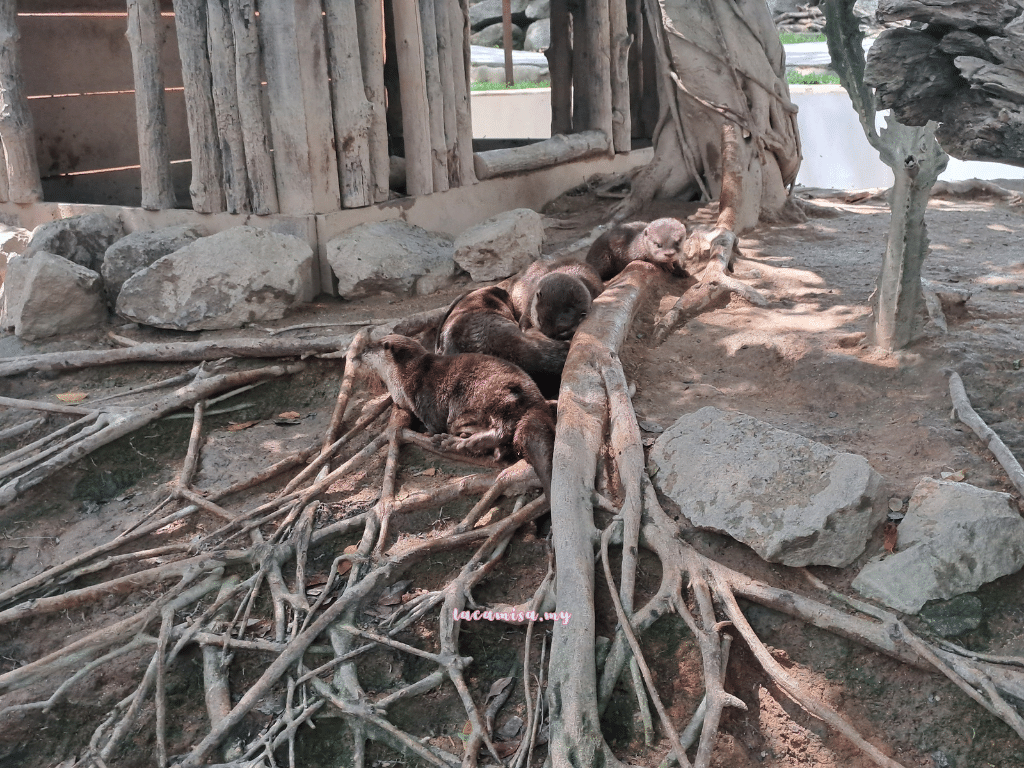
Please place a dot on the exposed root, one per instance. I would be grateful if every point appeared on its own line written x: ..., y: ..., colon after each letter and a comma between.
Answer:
x: 963, y: 411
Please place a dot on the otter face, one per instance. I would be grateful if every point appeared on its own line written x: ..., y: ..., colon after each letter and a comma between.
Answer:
x: 560, y: 303
x: 390, y: 358
x: 664, y: 240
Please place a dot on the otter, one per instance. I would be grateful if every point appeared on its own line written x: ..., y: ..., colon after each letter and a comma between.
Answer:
x: 555, y: 296
x: 483, y: 321
x: 659, y: 242
x: 477, y: 403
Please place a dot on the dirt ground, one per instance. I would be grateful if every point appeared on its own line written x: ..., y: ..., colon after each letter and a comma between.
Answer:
x: 799, y: 364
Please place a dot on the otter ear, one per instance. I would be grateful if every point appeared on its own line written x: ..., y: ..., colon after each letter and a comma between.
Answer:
x: 387, y: 346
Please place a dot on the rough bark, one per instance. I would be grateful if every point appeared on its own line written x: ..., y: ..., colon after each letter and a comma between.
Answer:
x: 916, y: 160
x: 353, y: 113
x: 190, y: 26
x: 720, y: 62
x: 16, y: 128
x: 446, y: 64
x: 258, y: 162
x: 145, y: 38
x: 964, y: 70
x: 370, y: 18
x: 226, y: 107
x: 415, y: 111
x: 559, y: 56
x: 435, y: 96
x: 463, y: 174
x: 621, y: 40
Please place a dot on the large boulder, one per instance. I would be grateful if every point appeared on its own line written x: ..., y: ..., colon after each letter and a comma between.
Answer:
x: 954, y: 538
x: 82, y: 239
x: 390, y: 256
x: 13, y: 241
x: 790, y: 499
x: 238, y: 276
x: 538, y: 36
x: 488, y: 12
x: 137, y: 251
x: 46, y: 294
x: 494, y: 35
x: 538, y: 9
x: 501, y: 245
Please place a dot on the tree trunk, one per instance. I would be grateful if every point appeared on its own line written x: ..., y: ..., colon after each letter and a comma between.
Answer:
x: 458, y: 13
x: 353, y: 114
x: 621, y: 40
x: 916, y: 160
x: 145, y: 39
x: 16, y: 129
x: 419, y: 179
x: 258, y: 162
x: 720, y: 62
x: 435, y: 95
x: 190, y: 25
x: 370, y: 19
x: 226, y: 108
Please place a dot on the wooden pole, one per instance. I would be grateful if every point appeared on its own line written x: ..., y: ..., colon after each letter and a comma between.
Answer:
x: 581, y: 65
x: 16, y: 128
x: 446, y: 63
x: 145, y: 38
x: 225, y: 104
x: 559, y: 55
x: 248, y: 82
x: 415, y: 113
x: 459, y: 16
x: 622, y: 121
x: 435, y: 96
x: 597, y: 29
x: 190, y: 25
x: 370, y: 18
x: 301, y: 125
x: 506, y: 38
x: 352, y: 112
x: 553, y: 151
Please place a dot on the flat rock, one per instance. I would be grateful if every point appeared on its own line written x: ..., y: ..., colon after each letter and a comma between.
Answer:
x: 46, y: 294
x: 950, y: 618
x: 238, y: 276
x: 138, y: 250
x: 954, y: 538
x: 391, y: 256
x: 82, y: 239
x: 790, y: 499
x: 501, y: 245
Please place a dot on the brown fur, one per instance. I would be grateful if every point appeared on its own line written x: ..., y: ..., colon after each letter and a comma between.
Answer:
x: 660, y: 242
x: 483, y: 321
x: 480, y: 403
x: 555, y: 296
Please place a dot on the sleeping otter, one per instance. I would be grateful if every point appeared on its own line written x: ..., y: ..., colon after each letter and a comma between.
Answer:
x: 660, y: 242
x: 483, y: 321
x: 555, y: 296
x: 478, y: 402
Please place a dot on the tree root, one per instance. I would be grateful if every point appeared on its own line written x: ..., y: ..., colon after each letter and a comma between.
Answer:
x: 963, y: 411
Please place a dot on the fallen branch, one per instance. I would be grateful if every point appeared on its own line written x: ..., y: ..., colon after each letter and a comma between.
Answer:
x: 962, y: 410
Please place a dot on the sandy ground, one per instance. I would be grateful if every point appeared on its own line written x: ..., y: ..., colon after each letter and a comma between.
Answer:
x: 800, y: 364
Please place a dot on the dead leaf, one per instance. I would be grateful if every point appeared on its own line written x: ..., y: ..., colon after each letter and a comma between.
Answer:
x: 346, y: 565
x: 393, y: 595
x: 956, y: 477
x: 890, y: 532
x: 429, y: 471
x: 506, y: 748
x: 242, y: 425
x: 288, y: 415
x: 72, y: 397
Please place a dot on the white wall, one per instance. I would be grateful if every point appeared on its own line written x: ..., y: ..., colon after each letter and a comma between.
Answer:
x: 523, y: 113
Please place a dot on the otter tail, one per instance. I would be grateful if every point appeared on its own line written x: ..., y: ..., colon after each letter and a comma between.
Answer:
x: 534, y: 440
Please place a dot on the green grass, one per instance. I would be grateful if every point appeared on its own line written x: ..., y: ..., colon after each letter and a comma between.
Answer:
x: 788, y: 38
x: 795, y: 78
x: 503, y: 87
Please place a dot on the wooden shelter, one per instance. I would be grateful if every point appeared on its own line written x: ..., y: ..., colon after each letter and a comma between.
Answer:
x: 286, y: 108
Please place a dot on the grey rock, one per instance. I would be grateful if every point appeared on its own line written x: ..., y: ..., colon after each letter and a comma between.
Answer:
x: 390, y: 256
x: 501, y: 245
x: 235, y: 277
x: 495, y: 35
x: 792, y: 500
x: 82, y: 239
x: 488, y: 12
x: 538, y: 36
x: 538, y: 9
x: 13, y: 241
x: 46, y: 294
x: 950, y: 618
x: 954, y: 538
x: 137, y: 251
x: 527, y: 73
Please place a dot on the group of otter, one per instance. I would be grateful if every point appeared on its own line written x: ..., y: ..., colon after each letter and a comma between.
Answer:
x: 497, y: 352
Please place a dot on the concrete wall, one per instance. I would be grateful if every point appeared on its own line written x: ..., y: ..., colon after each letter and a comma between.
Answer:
x: 518, y: 114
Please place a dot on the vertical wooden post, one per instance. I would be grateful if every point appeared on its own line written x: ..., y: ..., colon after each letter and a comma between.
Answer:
x: 446, y: 64
x: 597, y: 29
x: 248, y: 82
x: 190, y: 26
x: 435, y: 96
x: 459, y: 17
x: 559, y: 55
x: 581, y: 65
x: 650, y: 107
x: 145, y: 38
x: 415, y: 113
x: 622, y: 121
x: 506, y: 40
x: 306, y: 165
x: 226, y: 109
x: 370, y: 18
x: 16, y: 128
x: 352, y: 112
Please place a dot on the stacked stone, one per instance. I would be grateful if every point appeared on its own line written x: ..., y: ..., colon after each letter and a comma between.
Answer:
x: 531, y: 24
